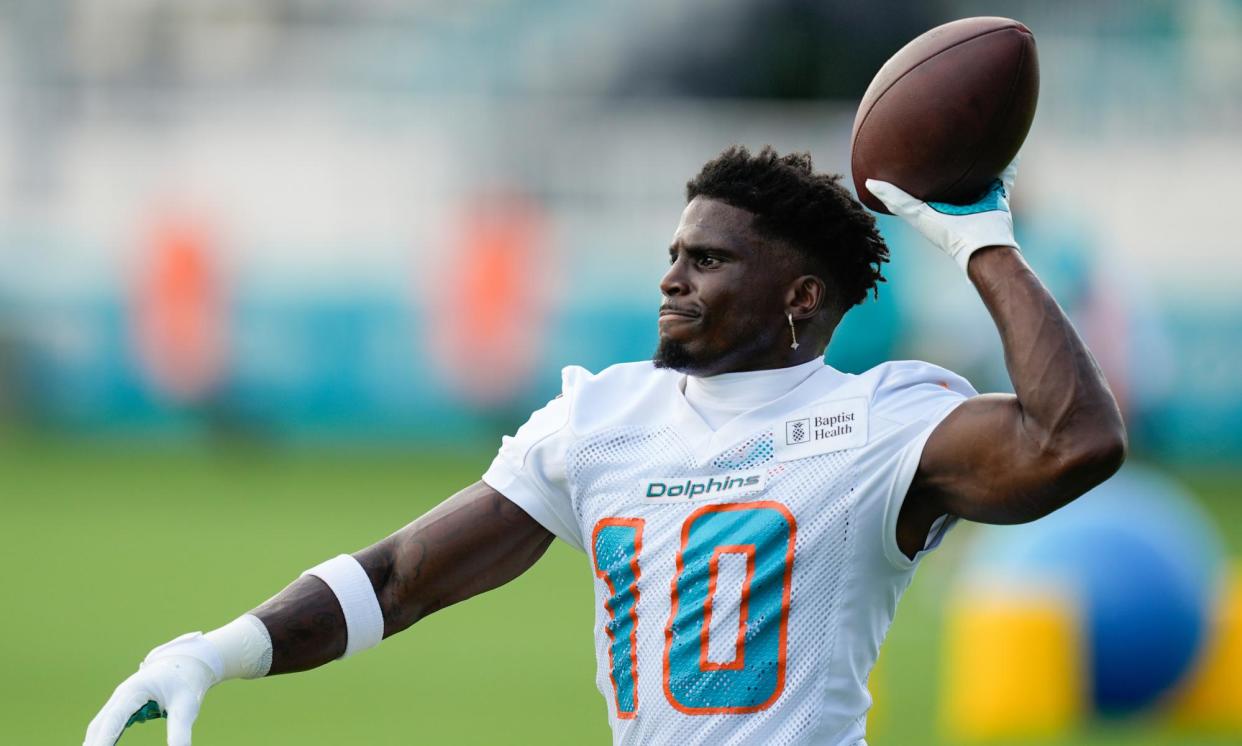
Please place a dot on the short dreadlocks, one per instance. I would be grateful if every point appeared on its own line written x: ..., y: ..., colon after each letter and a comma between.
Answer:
x: 811, y: 212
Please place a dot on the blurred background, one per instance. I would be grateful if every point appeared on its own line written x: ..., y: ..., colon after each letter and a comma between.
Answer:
x: 275, y: 277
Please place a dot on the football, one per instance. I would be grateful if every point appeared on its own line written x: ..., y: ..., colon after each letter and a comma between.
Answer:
x: 945, y: 115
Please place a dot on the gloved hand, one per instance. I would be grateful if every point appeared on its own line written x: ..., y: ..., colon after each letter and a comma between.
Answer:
x: 175, y: 676
x: 958, y: 230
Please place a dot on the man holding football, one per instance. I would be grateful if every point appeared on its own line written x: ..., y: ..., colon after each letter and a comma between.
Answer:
x: 751, y: 514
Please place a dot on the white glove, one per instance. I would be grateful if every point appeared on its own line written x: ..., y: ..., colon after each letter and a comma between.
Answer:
x: 175, y: 676
x: 958, y: 230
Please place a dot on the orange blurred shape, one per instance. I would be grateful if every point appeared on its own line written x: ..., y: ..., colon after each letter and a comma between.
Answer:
x: 178, y: 316
x: 488, y: 313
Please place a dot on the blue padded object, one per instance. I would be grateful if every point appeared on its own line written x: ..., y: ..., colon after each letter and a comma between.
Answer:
x: 1144, y: 564
x: 1144, y: 624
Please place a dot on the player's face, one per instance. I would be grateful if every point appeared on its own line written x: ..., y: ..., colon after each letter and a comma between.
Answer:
x: 724, y: 294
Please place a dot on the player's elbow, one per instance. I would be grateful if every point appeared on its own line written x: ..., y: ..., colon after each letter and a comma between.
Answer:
x: 1061, y: 471
x: 1093, y: 456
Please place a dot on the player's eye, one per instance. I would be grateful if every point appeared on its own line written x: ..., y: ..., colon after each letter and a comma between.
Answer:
x: 707, y: 260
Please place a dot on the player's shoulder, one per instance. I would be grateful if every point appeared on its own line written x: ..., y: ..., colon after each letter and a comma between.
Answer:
x: 616, y: 393
x: 895, y: 376
x: 909, y: 389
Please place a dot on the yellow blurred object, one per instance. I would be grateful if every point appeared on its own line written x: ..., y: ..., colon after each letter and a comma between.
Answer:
x: 1212, y: 697
x: 1013, y: 664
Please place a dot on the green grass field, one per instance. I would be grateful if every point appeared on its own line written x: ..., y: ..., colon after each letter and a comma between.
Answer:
x: 109, y: 550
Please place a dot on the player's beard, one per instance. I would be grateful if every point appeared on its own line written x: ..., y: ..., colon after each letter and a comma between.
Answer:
x: 674, y: 355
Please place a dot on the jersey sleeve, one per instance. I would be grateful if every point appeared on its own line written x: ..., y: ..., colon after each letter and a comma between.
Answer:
x: 529, y: 470
x: 911, y: 399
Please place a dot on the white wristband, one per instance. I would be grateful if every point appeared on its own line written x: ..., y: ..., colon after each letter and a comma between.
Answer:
x: 364, y: 621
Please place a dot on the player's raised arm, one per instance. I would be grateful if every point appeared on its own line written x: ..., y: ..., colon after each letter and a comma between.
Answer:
x: 1009, y: 458
x: 474, y: 541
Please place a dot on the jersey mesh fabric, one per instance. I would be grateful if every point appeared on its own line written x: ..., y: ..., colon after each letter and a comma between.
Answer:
x: 602, y: 471
x: 750, y: 453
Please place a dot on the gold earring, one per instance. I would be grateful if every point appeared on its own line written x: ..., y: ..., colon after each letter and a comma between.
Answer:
x: 792, y: 331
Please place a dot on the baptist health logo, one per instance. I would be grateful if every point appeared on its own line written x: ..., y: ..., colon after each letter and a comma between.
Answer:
x: 830, y: 426
x: 818, y: 428
x: 716, y: 487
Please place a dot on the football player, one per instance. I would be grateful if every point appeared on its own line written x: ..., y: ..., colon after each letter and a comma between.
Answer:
x: 752, y: 514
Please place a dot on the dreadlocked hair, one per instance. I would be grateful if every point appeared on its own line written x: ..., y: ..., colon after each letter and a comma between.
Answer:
x: 811, y: 212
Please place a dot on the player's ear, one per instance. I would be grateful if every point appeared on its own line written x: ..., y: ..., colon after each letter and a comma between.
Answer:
x: 805, y: 296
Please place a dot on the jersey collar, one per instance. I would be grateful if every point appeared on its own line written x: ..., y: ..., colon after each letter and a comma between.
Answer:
x: 706, y: 443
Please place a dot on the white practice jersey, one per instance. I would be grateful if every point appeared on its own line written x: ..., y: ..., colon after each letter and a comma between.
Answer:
x: 745, y: 576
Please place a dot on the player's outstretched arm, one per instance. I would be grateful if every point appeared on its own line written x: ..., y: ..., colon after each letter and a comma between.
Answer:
x: 1010, y: 458
x: 474, y: 541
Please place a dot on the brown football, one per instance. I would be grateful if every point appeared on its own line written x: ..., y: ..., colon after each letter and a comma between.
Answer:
x: 945, y: 115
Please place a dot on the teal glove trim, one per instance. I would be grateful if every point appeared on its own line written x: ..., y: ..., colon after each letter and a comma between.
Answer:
x: 993, y: 200
x: 150, y: 711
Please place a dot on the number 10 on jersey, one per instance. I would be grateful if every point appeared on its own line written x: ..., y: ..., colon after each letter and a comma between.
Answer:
x: 762, y: 534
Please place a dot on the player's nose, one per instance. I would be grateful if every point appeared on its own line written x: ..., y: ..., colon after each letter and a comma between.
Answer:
x: 674, y: 283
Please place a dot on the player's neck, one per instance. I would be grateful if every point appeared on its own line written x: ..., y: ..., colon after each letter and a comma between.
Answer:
x: 718, y: 398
